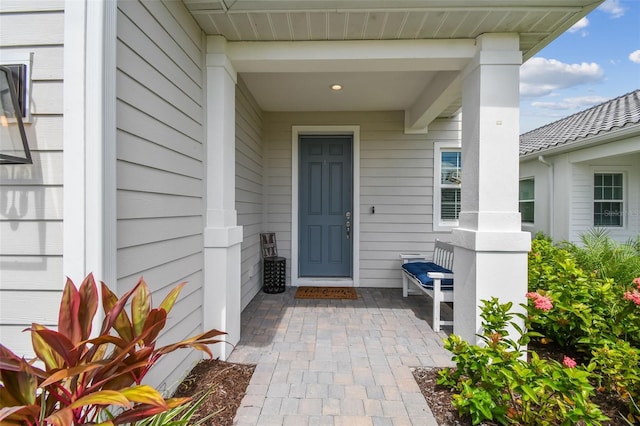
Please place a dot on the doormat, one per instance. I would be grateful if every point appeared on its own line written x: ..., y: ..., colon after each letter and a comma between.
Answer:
x: 326, y: 293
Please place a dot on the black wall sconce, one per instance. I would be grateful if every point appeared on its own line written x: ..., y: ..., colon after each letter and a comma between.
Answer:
x: 13, y: 139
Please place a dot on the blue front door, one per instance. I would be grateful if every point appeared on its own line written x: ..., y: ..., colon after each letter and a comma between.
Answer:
x: 326, y: 220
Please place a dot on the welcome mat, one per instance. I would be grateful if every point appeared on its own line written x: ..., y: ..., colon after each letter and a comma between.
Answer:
x: 326, y: 293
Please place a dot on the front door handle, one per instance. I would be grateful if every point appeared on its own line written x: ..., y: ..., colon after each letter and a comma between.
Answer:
x: 348, y: 224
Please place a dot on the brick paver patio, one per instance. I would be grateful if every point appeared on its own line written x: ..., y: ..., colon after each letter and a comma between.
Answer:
x: 337, y: 362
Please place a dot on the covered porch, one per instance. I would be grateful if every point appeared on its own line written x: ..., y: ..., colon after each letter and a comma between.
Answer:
x: 198, y: 111
x: 404, y: 103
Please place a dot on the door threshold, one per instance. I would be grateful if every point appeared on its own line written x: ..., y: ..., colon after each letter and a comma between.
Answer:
x: 325, y: 282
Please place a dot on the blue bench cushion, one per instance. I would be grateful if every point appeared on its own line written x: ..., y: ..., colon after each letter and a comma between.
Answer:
x: 419, y: 271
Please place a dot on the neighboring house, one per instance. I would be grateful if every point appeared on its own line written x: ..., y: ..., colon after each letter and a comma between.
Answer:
x: 583, y: 172
x: 167, y: 135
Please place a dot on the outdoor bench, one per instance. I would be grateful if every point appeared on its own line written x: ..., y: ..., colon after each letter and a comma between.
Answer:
x: 434, y: 277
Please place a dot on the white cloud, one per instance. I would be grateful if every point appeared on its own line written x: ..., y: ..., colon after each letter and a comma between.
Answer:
x: 613, y: 8
x: 579, y: 26
x: 635, y: 56
x: 577, y: 104
x: 541, y: 76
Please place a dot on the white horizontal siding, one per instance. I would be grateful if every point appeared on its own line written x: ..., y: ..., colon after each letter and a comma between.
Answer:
x: 396, y: 177
x: 48, y: 63
x: 133, y: 205
x: 45, y: 133
x: 582, y: 196
x: 249, y: 189
x: 31, y: 202
x: 31, y: 277
x: 160, y: 188
x: 26, y: 307
x: 36, y: 273
x: 26, y: 238
x: 31, y: 5
x: 30, y: 28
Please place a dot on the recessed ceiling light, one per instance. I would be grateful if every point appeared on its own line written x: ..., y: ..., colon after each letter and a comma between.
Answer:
x: 336, y: 87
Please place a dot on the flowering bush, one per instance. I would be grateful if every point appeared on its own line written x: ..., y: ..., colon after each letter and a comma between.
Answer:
x: 493, y: 382
x: 574, y: 308
x: 590, y: 313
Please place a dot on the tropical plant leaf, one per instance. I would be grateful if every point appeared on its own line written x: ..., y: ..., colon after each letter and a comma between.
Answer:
x: 141, y: 411
x: 156, y: 319
x: 122, y: 324
x: 62, y: 417
x: 68, y: 323
x: 88, y: 305
x: 69, y: 372
x: 43, y: 350
x: 59, y: 343
x: 140, y: 307
x: 113, y: 313
x: 103, y: 397
x: 170, y: 299
x: 22, y: 385
x: 144, y: 394
x: 15, y: 411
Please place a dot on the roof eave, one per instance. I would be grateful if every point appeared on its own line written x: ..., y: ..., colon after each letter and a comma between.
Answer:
x: 599, y: 139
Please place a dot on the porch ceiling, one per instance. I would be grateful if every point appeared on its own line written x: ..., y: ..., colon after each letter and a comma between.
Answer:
x: 538, y: 22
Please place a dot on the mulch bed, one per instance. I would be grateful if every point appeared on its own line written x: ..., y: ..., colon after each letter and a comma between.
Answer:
x: 439, y: 397
x: 229, y: 382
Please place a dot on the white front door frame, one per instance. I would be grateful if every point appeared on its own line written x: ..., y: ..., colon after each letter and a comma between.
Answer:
x: 296, y: 131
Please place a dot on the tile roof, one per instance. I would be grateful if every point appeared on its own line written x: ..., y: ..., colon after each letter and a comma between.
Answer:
x: 618, y: 113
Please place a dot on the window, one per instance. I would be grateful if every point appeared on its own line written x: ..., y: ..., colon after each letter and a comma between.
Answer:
x: 607, y: 199
x: 527, y: 200
x: 447, y: 179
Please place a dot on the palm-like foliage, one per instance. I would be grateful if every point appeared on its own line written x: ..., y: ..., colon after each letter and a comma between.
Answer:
x: 603, y: 256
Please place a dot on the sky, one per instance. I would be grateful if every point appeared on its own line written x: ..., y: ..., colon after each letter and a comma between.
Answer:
x: 596, y: 60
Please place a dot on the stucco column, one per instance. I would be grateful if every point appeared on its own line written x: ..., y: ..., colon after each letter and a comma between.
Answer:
x: 491, y: 250
x: 222, y: 236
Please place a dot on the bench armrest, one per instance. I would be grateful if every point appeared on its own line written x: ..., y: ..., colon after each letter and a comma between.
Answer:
x: 409, y: 257
x: 439, y: 275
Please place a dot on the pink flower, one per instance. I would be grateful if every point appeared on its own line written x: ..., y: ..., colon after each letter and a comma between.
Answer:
x: 543, y: 303
x: 633, y: 296
x: 540, y: 302
x: 569, y: 362
x: 636, y: 281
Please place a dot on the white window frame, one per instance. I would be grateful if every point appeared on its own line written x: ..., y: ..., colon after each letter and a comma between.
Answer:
x: 438, y: 148
x: 532, y: 200
x: 623, y: 201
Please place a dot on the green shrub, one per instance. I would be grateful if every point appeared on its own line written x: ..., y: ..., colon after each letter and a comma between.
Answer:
x: 494, y: 382
x: 607, y: 258
x: 586, y: 308
x: 74, y: 376
x: 618, y: 367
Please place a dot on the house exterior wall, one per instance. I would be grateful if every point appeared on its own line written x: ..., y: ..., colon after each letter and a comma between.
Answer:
x: 542, y: 176
x: 249, y: 188
x: 582, y: 197
x: 160, y: 171
x: 396, y: 176
x: 565, y: 210
x: 31, y: 196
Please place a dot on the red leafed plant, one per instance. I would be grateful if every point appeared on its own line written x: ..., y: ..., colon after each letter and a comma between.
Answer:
x: 75, y: 376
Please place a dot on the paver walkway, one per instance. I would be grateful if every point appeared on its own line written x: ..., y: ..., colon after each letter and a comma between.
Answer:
x: 337, y: 362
